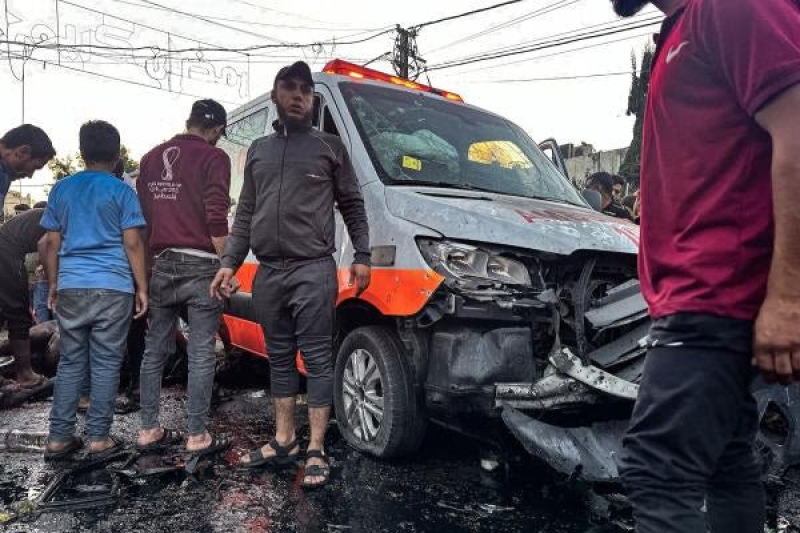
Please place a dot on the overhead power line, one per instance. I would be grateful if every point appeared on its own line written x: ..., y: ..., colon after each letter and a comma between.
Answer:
x: 557, y: 78
x: 250, y: 22
x: 161, y: 30
x: 287, y: 13
x: 575, y: 32
x: 543, y: 56
x: 542, y: 46
x: 513, y: 22
x: 157, y: 49
x: 213, y: 22
x: 114, y: 78
x: 465, y: 14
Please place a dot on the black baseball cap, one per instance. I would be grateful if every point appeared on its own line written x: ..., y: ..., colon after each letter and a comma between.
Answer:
x: 210, y: 112
x: 299, y: 69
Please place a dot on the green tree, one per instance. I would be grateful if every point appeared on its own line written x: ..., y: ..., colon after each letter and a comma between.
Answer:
x: 637, y: 103
x: 131, y: 164
x: 62, y: 167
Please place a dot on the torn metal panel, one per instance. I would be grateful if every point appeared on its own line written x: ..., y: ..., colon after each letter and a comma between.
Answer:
x: 779, y: 425
x: 623, y: 305
x: 568, y: 363
x: 631, y: 342
x: 587, y: 452
x: 551, y: 391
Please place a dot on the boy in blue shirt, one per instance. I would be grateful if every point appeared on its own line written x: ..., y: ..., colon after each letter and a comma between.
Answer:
x: 93, y: 254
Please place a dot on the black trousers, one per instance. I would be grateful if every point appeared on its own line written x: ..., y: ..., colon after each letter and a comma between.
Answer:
x: 690, y: 443
x: 295, y: 304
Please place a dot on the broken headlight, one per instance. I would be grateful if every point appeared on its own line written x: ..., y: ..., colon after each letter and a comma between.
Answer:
x: 458, y: 260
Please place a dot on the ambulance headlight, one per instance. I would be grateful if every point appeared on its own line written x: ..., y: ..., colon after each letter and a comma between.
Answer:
x: 458, y: 260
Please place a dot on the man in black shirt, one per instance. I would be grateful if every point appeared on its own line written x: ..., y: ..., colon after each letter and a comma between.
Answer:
x: 18, y: 237
x: 603, y: 182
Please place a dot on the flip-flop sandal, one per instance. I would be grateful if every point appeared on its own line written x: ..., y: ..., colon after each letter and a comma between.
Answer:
x: 282, y: 457
x: 316, y: 470
x: 73, y: 445
x: 170, y: 437
x: 118, y: 446
x: 218, y: 444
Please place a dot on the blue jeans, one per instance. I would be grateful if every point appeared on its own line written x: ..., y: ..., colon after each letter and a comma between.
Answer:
x: 94, y: 325
x: 181, y: 280
x: 39, y: 292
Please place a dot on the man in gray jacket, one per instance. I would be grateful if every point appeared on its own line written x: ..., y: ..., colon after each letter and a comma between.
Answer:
x: 285, y: 214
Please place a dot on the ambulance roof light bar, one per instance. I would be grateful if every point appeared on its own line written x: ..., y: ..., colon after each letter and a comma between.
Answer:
x: 344, y: 68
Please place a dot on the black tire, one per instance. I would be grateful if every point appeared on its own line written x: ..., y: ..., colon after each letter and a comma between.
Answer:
x: 403, y: 423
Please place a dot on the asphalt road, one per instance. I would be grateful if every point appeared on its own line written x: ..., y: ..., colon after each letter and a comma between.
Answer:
x: 442, y: 489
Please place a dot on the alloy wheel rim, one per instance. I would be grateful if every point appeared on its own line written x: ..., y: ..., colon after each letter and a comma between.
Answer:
x: 363, y: 395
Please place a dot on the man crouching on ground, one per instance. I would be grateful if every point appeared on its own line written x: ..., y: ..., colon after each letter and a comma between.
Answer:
x: 291, y: 233
x: 93, y: 254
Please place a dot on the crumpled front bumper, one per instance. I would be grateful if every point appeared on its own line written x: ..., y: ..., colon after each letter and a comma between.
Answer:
x: 588, y: 452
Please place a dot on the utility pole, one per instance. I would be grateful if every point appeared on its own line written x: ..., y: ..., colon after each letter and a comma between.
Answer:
x: 405, y: 53
x: 401, y: 67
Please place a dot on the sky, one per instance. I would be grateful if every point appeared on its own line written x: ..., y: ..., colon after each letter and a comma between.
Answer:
x: 59, y: 98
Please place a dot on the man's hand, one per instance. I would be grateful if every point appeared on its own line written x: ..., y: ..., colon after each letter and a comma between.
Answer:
x: 776, y: 344
x: 224, y: 285
x: 52, y: 298
x: 142, y: 302
x: 360, y: 276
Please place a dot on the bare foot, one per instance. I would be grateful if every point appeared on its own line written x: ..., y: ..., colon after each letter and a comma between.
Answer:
x: 198, y: 442
x: 97, y: 446
x: 149, y: 436
x: 57, y: 445
x: 315, y: 480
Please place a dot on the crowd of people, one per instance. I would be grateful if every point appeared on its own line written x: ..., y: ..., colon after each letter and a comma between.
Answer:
x: 719, y: 263
x: 119, y: 265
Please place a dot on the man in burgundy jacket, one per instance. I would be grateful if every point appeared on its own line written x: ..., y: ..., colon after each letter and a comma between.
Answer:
x: 719, y: 260
x: 183, y: 186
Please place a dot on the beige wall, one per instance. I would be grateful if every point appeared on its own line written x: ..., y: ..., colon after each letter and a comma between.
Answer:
x: 581, y: 167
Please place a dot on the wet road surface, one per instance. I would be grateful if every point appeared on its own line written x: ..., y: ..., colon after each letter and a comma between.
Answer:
x: 441, y: 489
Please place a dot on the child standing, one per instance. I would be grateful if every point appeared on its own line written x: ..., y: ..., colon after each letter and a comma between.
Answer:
x: 93, y: 255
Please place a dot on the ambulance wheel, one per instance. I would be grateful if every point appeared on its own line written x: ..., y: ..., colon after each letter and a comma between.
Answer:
x: 377, y: 409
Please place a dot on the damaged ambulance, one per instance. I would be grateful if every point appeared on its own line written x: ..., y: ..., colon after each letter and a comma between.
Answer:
x: 500, y: 302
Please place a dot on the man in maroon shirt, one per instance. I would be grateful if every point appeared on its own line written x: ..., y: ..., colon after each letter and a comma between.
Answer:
x: 183, y: 186
x: 719, y: 258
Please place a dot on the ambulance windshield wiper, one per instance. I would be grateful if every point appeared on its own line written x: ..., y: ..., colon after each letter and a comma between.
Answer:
x: 470, y: 187
x: 445, y: 184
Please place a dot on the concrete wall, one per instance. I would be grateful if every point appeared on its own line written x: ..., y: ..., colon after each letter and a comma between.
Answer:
x: 13, y: 198
x: 582, y: 166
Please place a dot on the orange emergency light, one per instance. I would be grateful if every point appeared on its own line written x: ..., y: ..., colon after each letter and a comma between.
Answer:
x: 343, y: 68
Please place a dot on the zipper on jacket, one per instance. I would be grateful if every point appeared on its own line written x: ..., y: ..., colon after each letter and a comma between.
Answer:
x: 280, y: 190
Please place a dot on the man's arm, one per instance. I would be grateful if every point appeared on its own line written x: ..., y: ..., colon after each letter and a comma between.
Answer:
x: 217, y: 199
x: 137, y: 257
x: 238, y: 241
x: 48, y: 247
x: 777, y: 336
x: 351, y: 205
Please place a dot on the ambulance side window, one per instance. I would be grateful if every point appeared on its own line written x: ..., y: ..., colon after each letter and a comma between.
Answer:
x: 315, y: 118
x: 240, y: 135
x: 328, y: 124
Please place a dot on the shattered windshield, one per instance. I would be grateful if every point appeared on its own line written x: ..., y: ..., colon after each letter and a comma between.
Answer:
x: 413, y: 138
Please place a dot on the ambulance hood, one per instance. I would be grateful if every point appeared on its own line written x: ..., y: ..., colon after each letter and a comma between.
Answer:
x: 511, y: 220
